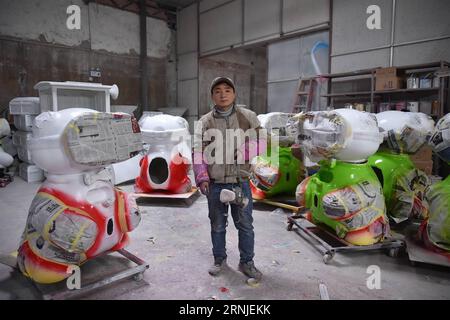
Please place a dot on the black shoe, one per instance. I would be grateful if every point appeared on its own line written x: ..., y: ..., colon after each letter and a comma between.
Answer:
x: 249, y: 269
x: 217, y: 267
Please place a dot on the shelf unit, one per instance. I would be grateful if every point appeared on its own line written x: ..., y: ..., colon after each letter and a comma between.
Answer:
x: 440, y: 92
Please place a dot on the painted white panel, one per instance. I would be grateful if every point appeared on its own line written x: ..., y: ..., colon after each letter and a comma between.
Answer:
x: 350, y: 32
x: 114, y: 30
x: 418, y: 19
x: 105, y: 27
x: 300, y: 14
x: 43, y: 20
x: 158, y: 38
x: 187, y: 66
x: 221, y: 27
x: 358, y: 61
x: 314, y: 54
x: 284, y: 60
x: 187, y: 37
x: 281, y: 96
x: 293, y: 59
x: 187, y: 46
x: 188, y: 95
x: 209, y: 4
x: 262, y: 18
x: 426, y: 52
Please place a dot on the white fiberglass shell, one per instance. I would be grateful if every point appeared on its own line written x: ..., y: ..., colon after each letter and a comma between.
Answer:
x: 440, y: 139
x: 396, y: 120
x: 99, y: 194
x: 273, y: 120
x: 166, y: 134
x: 283, y: 122
x: 77, y: 139
x: 74, y: 146
x: 363, y: 138
x: 5, y: 130
x: 344, y: 134
x: 5, y: 159
x: 47, y: 147
x: 168, y: 141
x: 103, y: 217
x: 405, y: 131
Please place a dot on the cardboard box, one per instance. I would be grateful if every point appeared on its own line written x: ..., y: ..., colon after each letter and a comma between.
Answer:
x: 389, y: 78
x: 389, y: 72
x: 423, y: 154
x: 423, y: 159
x: 388, y: 83
x: 385, y: 72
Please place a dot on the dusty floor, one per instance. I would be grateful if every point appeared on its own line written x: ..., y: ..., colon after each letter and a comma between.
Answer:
x: 175, y: 241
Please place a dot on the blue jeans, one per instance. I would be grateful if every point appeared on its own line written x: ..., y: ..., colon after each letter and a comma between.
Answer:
x: 242, y: 218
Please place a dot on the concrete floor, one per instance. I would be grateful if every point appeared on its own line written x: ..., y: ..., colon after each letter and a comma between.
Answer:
x: 175, y: 241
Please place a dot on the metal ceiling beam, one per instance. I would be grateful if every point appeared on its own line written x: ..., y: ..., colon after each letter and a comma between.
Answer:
x: 157, y: 9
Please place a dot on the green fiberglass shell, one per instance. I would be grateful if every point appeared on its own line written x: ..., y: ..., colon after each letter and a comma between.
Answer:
x: 348, y: 198
x: 436, y: 229
x: 403, y: 185
x: 276, y: 173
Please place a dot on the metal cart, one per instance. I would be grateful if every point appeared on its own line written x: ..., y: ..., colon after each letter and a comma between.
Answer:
x: 327, y: 243
x: 59, y: 291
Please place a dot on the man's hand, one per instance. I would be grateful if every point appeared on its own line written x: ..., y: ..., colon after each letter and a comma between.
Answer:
x: 204, y: 187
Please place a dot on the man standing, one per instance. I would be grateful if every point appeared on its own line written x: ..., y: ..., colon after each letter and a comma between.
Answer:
x: 212, y: 175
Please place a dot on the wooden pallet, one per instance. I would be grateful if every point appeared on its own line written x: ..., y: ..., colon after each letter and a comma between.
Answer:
x: 165, y: 198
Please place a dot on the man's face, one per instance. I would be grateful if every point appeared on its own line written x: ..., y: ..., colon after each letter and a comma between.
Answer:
x: 223, y: 95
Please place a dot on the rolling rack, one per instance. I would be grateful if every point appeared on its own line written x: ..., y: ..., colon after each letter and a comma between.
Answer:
x: 59, y: 291
x: 327, y: 243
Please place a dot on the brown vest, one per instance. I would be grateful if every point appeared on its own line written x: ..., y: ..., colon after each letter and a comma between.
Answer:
x: 240, y: 118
